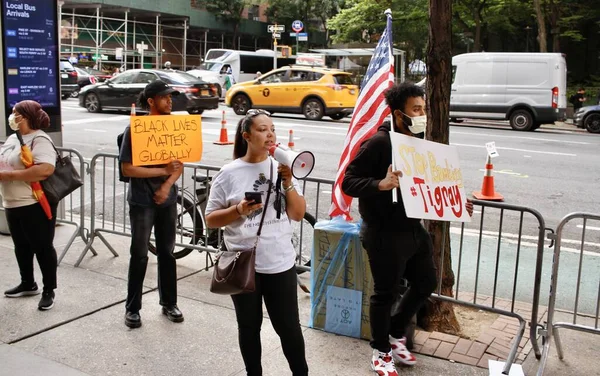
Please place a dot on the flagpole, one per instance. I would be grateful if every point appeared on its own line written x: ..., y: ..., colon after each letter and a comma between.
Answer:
x: 388, y: 13
x: 392, y: 129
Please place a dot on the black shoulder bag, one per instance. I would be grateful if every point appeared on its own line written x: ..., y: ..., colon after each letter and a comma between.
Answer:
x: 63, y: 181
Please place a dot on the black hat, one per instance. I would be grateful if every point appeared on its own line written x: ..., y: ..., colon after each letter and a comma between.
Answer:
x: 158, y: 87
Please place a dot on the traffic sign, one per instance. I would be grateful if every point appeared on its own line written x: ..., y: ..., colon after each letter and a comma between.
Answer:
x: 275, y: 28
x: 276, y: 36
x: 297, y: 26
x: 302, y: 37
x: 292, y: 34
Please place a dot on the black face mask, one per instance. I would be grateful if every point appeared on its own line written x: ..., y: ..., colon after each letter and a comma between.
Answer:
x: 420, y: 135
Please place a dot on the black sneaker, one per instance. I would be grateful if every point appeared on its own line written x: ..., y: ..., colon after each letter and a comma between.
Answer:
x: 22, y: 290
x: 133, y: 320
x: 47, y: 301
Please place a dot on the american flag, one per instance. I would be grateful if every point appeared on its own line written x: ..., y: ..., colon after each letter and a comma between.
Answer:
x: 369, y: 113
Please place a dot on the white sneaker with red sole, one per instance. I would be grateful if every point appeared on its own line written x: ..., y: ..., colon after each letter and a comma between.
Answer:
x: 383, y: 363
x: 400, y: 353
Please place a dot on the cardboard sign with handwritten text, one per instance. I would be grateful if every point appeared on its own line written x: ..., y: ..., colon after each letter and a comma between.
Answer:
x: 160, y: 139
x: 431, y: 182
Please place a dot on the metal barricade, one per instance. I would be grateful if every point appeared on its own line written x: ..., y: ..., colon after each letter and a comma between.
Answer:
x: 68, y: 206
x: 529, y: 227
x: 109, y: 207
x: 502, y: 259
x: 584, y: 272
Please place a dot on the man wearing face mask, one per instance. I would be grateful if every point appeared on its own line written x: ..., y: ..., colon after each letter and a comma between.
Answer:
x: 398, y: 247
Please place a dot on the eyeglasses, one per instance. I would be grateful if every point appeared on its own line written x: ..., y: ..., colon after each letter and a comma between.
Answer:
x: 257, y: 111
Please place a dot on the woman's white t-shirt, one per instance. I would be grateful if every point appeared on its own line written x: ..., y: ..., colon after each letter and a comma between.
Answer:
x: 275, y: 252
x: 18, y: 193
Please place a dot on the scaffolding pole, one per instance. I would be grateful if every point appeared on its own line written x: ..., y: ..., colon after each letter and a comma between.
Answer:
x: 98, y: 60
x: 157, y: 40
x: 72, y: 32
x: 185, y: 27
x: 124, y: 55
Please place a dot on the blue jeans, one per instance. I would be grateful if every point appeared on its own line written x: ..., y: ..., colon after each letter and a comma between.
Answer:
x: 164, y: 221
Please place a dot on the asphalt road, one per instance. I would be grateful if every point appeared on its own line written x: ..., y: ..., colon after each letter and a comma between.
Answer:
x: 553, y: 172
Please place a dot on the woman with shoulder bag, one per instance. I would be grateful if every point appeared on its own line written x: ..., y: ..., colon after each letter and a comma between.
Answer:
x: 232, y: 205
x: 31, y: 230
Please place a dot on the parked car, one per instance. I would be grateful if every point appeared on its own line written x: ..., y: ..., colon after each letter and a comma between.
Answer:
x: 100, y: 76
x: 312, y: 91
x: 119, y: 92
x: 588, y: 117
x: 83, y: 79
x: 68, y: 79
x: 527, y: 89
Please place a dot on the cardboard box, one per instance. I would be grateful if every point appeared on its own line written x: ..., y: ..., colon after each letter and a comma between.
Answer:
x: 339, y: 261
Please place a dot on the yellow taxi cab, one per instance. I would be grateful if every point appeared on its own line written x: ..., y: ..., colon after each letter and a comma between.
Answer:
x: 312, y: 91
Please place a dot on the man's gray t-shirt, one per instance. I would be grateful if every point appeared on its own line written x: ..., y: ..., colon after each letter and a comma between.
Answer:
x: 141, y: 190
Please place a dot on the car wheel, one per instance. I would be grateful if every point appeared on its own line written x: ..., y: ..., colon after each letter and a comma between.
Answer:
x: 592, y: 123
x: 92, y: 103
x: 195, y: 111
x: 75, y: 94
x: 337, y: 116
x: 241, y: 104
x: 521, y: 120
x: 313, y: 109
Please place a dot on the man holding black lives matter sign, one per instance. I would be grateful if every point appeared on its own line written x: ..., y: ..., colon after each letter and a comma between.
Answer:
x: 152, y: 153
x: 396, y: 242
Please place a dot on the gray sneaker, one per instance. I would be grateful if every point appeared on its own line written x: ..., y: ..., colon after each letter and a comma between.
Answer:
x: 47, y: 301
x: 22, y: 290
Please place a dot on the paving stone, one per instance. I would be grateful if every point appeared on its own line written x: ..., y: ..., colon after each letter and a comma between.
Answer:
x: 502, y: 354
x: 511, y: 329
x: 444, y: 337
x: 483, y: 362
x: 524, y: 341
x: 443, y: 351
x: 498, y: 333
x: 430, y: 346
x: 485, y: 338
x: 417, y: 348
x: 462, y: 346
x: 498, y: 325
x: 477, y: 350
x: 502, y: 342
x: 464, y: 359
x: 421, y: 337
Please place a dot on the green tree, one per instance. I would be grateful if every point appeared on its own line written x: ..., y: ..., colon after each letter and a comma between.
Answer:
x: 228, y: 11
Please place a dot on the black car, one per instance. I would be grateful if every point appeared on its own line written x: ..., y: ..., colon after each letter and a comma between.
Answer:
x: 588, y: 117
x: 121, y: 91
x: 68, y: 79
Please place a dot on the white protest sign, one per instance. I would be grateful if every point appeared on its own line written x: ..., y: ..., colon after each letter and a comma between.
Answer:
x: 491, y: 149
x: 431, y: 182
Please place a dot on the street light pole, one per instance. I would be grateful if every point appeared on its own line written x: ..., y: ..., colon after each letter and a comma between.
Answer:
x: 527, y: 29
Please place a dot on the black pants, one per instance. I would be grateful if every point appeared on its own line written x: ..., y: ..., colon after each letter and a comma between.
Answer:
x: 33, y: 233
x: 164, y: 221
x: 393, y: 255
x: 281, y: 299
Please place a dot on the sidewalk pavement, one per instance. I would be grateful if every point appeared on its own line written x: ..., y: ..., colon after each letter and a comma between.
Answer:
x: 84, y: 333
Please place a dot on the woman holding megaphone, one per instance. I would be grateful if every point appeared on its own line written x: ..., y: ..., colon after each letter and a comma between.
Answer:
x: 243, y: 200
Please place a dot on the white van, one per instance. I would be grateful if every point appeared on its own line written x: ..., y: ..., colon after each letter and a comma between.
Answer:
x: 242, y: 65
x: 528, y: 89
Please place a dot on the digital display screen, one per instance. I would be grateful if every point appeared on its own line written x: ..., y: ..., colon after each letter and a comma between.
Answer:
x: 31, y: 55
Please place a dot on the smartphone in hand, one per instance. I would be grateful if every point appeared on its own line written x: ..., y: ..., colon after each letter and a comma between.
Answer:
x: 254, y: 196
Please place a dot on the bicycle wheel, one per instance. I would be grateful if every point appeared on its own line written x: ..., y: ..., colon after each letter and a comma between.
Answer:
x: 302, y: 239
x: 188, y: 219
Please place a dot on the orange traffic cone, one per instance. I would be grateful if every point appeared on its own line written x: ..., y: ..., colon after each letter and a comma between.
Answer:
x: 487, y: 188
x: 291, y: 140
x: 223, y: 139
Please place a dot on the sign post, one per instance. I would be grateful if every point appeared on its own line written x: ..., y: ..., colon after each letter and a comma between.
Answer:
x: 275, y: 31
x: 297, y: 26
x: 141, y: 47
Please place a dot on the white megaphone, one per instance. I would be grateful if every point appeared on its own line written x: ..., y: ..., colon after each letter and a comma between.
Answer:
x: 301, y: 163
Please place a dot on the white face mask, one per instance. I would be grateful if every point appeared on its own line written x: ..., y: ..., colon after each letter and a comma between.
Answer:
x: 12, y: 122
x: 419, y: 124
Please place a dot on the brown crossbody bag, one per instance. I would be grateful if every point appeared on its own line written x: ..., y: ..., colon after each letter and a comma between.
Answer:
x: 234, y: 271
